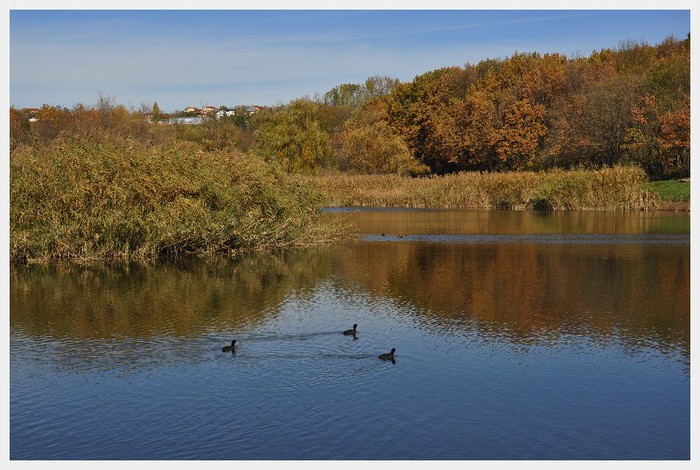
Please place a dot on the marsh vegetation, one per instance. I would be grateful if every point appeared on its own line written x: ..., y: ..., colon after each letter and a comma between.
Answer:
x: 531, y: 131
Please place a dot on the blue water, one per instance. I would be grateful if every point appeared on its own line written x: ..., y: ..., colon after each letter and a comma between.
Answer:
x: 487, y: 367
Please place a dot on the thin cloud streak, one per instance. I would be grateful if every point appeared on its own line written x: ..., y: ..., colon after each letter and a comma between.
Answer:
x: 417, y: 31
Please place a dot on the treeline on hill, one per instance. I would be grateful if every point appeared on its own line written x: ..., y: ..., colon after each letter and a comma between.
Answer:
x: 525, y: 112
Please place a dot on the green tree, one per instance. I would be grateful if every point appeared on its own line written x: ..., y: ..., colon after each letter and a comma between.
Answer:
x: 347, y: 94
x: 155, y: 112
x: 354, y: 94
x: 378, y: 85
x: 292, y: 137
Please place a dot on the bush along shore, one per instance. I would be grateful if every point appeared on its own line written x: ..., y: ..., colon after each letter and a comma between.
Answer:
x: 616, y: 188
x: 116, y: 199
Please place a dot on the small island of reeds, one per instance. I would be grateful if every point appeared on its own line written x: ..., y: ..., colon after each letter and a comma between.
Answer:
x: 112, y: 199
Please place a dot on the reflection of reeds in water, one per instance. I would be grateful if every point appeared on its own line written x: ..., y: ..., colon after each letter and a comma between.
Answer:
x: 138, y: 301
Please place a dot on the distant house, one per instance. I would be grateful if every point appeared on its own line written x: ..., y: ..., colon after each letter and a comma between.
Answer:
x: 220, y: 112
x: 187, y: 120
x: 225, y: 113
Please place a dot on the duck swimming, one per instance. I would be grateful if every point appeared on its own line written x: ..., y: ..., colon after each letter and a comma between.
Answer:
x: 231, y: 348
x: 388, y: 356
x: 352, y: 332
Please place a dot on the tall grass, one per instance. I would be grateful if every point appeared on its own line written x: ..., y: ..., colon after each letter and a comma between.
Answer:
x: 107, y: 199
x: 617, y: 188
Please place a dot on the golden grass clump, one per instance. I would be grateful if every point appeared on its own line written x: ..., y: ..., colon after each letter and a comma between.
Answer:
x: 616, y: 188
x: 79, y: 198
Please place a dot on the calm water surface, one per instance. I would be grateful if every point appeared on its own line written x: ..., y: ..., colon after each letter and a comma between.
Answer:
x: 519, y: 336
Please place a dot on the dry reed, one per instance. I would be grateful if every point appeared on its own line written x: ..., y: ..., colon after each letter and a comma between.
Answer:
x: 617, y: 188
x: 75, y: 198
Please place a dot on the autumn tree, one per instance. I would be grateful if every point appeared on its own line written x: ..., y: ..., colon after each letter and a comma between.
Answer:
x: 518, y: 139
x: 51, y: 120
x: 478, y: 118
x: 674, y: 141
x: 607, y: 115
x: 659, y: 135
x: 367, y: 144
x: 20, y: 132
x: 420, y: 113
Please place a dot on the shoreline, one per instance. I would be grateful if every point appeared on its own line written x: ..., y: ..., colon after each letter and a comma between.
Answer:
x: 616, y: 188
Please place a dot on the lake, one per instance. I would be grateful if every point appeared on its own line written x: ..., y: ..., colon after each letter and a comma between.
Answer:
x: 518, y: 336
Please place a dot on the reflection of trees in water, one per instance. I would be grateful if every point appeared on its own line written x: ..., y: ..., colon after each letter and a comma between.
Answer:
x: 521, y: 292
x: 526, y: 292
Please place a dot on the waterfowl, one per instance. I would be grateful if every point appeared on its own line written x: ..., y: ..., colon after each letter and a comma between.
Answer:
x: 388, y: 356
x: 352, y: 332
x: 231, y: 348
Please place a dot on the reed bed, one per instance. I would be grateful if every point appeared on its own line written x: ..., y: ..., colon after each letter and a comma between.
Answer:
x: 80, y: 198
x: 76, y: 198
x: 617, y: 188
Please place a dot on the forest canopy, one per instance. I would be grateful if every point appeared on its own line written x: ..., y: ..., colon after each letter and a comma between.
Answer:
x: 529, y: 111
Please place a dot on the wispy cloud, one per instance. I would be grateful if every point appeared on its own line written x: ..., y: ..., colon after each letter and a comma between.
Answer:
x: 414, y: 31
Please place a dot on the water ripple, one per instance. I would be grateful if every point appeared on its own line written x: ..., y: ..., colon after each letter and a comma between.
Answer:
x: 550, y: 239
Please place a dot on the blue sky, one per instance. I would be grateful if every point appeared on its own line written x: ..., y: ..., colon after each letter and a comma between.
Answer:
x: 227, y: 57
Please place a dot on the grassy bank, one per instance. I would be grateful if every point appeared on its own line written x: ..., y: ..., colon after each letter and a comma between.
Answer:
x: 618, y: 188
x: 75, y: 198
x: 673, y: 194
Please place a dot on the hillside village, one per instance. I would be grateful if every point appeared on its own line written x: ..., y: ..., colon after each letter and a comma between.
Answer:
x: 189, y: 115
x: 221, y: 111
x: 194, y: 115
